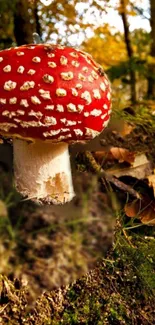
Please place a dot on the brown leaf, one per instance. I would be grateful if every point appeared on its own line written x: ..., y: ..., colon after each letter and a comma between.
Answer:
x: 102, y: 156
x: 132, y: 209
x: 142, y: 209
x: 126, y: 129
x: 122, y: 154
x: 151, y: 179
x: 140, y: 169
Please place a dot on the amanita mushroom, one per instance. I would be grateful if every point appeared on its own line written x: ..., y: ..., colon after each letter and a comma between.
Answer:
x: 50, y: 96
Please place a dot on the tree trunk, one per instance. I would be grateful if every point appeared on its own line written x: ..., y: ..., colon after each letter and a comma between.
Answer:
x: 37, y: 21
x: 151, y: 76
x: 23, y: 28
x: 129, y: 50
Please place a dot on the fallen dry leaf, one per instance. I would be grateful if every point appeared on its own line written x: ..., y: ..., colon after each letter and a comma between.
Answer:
x: 142, y: 209
x: 151, y: 179
x: 115, y: 153
x: 123, y: 155
x: 140, y: 168
x: 102, y: 156
x: 126, y: 129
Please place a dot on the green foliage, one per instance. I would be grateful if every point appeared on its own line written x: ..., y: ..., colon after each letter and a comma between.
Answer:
x: 122, y: 70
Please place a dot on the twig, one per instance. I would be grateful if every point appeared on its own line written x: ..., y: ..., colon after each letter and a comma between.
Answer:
x: 95, y: 167
x: 127, y: 238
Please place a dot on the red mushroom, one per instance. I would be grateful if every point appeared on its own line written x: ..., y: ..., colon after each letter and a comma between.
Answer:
x: 50, y: 96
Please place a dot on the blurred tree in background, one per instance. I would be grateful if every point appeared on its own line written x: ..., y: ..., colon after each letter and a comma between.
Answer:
x: 128, y: 56
x: 151, y: 74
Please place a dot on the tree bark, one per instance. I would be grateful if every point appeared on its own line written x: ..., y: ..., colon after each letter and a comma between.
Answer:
x: 23, y: 28
x: 129, y: 50
x: 151, y: 70
x: 37, y: 21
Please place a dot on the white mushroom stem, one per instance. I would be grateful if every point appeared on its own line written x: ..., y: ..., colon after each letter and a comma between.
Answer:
x: 42, y: 171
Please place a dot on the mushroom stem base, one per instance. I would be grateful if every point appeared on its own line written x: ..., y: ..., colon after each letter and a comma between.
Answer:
x: 42, y: 171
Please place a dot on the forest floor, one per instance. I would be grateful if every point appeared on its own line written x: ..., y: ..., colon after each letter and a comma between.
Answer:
x: 91, y: 261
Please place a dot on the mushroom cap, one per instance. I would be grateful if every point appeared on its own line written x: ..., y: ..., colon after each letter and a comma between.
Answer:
x: 52, y: 93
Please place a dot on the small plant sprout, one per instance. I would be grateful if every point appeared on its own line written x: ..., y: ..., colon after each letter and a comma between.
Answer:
x: 50, y: 96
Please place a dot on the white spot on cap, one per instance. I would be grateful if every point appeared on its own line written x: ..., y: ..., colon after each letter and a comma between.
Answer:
x: 7, y: 68
x: 102, y: 86
x: 63, y: 137
x: 86, y: 95
x: 103, y: 116
x: 13, y: 100
x: 63, y: 60
x: 60, y: 92
x: 24, y: 102
x: 52, y: 64
x: 63, y: 120
x: 67, y: 75
x: 50, y: 55
x: 96, y: 112
x: 105, y: 106
x: 2, y: 100
x: 60, y: 108
x: 35, y: 100
x: 20, y: 69
x: 81, y: 77
x: 19, y: 53
x: 88, y: 60
x: 9, y: 114
x: 31, y: 72
x: 78, y: 132
x: 75, y: 63
x: 27, y: 85
x: 85, y: 69
x: 50, y: 120
x: 71, y: 108
x: 1, y: 59
x: 60, y: 47
x: 10, y: 85
x: 51, y: 133
x: 74, y: 54
x: 20, y: 112
x: 94, y: 74
x: 67, y: 122
x: 70, y: 123
x: 108, y: 95
x: 49, y: 107
x: 97, y: 94
x: 78, y: 86
x: 36, y: 59
x: 48, y: 78
x: 7, y: 126
x: 74, y: 92
x: 31, y: 47
x: 65, y: 130
x: 90, y: 79
x: 86, y: 114
x: 106, y: 81
x: 105, y: 123
x: 91, y: 133
x: 36, y: 114
x: 80, y: 108
x: 45, y: 94
x: 25, y: 124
